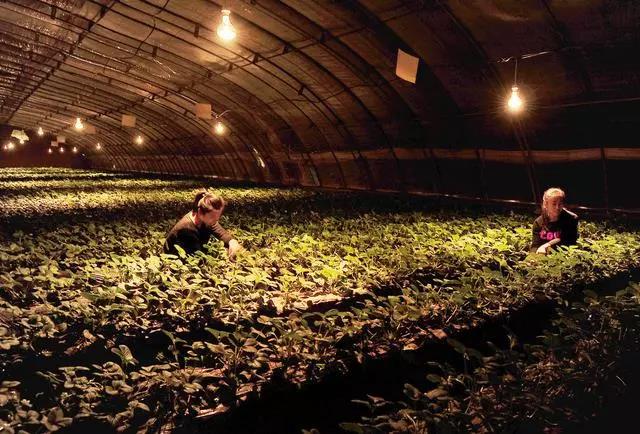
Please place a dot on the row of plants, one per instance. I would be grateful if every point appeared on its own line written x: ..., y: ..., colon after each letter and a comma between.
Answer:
x: 35, y: 199
x: 12, y: 188
x: 194, y: 336
x: 550, y: 384
x: 287, y: 262
x: 43, y: 173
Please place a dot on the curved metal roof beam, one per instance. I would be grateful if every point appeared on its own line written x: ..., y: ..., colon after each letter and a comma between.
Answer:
x: 325, y: 71
x: 31, y: 30
x: 173, y: 54
x: 32, y: 91
x: 67, y: 72
x: 493, y: 75
x: 79, y: 38
x: 266, y: 71
x: 345, y: 62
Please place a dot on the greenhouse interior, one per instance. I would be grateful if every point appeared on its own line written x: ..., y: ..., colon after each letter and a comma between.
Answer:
x: 319, y: 216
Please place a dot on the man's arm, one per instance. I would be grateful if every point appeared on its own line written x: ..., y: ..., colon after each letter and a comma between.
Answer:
x: 222, y: 234
x: 230, y: 243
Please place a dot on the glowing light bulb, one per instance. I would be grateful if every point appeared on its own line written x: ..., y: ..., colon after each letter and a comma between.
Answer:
x: 50, y: 151
x: 74, y: 150
x: 10, y: 146
x: 219, y: 128
x: 40, y: 131
x: 61, y: 150
x: 21, y: 141
x: 139, y: 140
x: 79, y: 125
x: 98, y: 147
x: 515, y: 103
x: 226, y: 30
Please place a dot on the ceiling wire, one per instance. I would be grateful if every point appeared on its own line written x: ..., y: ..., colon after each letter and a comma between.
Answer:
x: 137, y: 50
x: 153, y: 29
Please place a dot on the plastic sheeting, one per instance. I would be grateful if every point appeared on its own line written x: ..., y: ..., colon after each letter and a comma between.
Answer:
x: 311, y: 88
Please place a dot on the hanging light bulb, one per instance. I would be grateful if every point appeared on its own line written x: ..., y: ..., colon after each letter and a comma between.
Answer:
x: 40, y: 131
x: 219, y: 128
x: 21, y: 141
x: 98, y: 147
x: 61, y: 150
x: 225, y: 29
x: 50, y: 151
x: 74, y: 150
x: 515, y: 102
x: 139, y: 140
x: 79, y: 125
x: 10, y: 146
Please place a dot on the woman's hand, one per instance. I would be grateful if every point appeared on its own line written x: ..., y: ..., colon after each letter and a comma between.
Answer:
x: 543, y: 248
x: 233, y: 249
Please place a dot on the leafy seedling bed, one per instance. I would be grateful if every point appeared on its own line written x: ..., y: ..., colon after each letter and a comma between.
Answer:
x: 289, y: 408
x: 78, y: 347
x: 125, y: 336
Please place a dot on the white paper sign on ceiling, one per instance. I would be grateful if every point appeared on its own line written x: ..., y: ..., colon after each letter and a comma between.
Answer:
x: 407, y: 66
x: 128, y: 121
x: 203, y: 110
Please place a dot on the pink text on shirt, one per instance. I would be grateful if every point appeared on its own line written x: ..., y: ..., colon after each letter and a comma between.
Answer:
x: 550, y: 235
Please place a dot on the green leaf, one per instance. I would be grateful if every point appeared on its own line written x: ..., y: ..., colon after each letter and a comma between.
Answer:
x: 352, y: 427
x: 125, y: 354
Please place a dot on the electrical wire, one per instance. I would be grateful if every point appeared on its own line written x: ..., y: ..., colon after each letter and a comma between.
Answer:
x: 153, y: 29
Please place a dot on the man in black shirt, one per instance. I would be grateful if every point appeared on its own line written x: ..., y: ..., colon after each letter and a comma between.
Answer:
x: 195, y: 228
x: 556, y: 226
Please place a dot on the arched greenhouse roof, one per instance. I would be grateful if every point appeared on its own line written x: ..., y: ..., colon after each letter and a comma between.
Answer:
x: 309, y: 95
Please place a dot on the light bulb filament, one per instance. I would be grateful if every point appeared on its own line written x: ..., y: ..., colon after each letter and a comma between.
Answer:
x: 515, y: 103
x: 226, y: 30
x: 219, y: 128
x: 79, y: 125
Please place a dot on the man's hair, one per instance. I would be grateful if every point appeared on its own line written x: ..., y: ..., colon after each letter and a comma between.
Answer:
x: 206, y: 202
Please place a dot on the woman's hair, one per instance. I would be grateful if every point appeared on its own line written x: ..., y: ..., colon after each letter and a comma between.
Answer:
x: 206, y: 202
x: 550, y: 194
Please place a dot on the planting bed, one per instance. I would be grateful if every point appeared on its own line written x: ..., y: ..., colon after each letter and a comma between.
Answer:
x: 99, y: 329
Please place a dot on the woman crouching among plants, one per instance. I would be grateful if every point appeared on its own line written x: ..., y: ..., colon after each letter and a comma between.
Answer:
x: 556, y: 226
x: 195, y: 228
